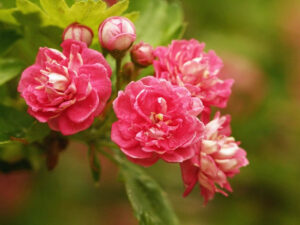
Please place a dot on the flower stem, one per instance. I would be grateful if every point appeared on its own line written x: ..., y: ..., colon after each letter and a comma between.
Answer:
x: 118, y: 73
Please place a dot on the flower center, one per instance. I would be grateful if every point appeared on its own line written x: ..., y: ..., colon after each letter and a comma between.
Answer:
x: 58, y: 81
x: 156, y: 117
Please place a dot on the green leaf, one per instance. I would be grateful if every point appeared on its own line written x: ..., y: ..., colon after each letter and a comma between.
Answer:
x: 14, y: 124
x: 58, y: 11
x: 9, y: 68
x: 94, y: 164
x: 6, y: 4
x: 27, y: 7
x: 149, y: 202
x: 88, y: 12
x: 37, y: 132
x: 8, y: 38
x: 35, y: 36
x: 159, y: 21
x: 91, y: 13
x: 6, y: 16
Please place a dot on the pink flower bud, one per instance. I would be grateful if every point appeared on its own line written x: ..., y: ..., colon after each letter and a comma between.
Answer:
x: 116, y: 33
x: 142, y: 54
x: 78, y: 32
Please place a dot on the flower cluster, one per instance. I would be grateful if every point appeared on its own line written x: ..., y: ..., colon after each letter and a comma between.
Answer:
x: 165, y: 116
x: 168, y: 117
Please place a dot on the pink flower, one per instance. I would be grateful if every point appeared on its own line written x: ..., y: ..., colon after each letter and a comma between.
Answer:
x: 184, y: 63
x: 142, y: 54
x: 79, y: 32
x: 67, y: 90
x: 156, y: 120
x: 116, y: 33
x: 219, y: 156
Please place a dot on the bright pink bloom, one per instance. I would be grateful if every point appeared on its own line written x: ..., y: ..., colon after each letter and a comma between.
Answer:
x: 142, y: 54
x: 219, y: 156
x: 184, y: 63
x: 67, y: 90
x: 116, y: 33
x: 78, y: 32
x: 156, y: 120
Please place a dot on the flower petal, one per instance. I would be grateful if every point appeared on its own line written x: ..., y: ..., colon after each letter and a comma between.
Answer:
x: 80, y: 111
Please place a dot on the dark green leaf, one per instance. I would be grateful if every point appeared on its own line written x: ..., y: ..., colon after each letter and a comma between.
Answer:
x: 8, y: 37
x: 14, y: 124
x: 35, y: 36
x: 9, y: 68
x: 37, y: 132
x: 149, y: 202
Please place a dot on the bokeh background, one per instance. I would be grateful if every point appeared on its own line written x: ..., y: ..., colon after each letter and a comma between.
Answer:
x: 259, y: 41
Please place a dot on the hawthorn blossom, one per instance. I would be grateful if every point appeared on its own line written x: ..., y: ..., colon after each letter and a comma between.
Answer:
x: 218, y: 156
x: 66, y: 90
x: 156, y: 120
x: 184, y: 63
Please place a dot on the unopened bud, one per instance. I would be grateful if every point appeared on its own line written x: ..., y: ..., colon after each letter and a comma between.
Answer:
x: 142, y: 54
x: 116, y: 34
x: 78, y: 32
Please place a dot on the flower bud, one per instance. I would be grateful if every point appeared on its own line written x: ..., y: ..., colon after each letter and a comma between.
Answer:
x: 78, y: 32
x: 142, y: 54
x: 116, y: 34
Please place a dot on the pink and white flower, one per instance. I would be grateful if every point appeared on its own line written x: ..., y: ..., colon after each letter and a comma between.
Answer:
x: 78, y: 32
x: 218, y: 156
x: 66, y: 90
x: 156, y: 120
x: 116, y: 33
x: 184, y: 63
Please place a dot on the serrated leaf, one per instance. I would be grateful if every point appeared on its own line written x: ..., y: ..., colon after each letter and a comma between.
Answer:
x: 13, y: 123
x: 94, y: 162
x: 166, y: 21
x: 91, y: 13
x: 27, y: 7
x: 57, y: 10
x: 149, y: 202
x: 88, y: 12
x: 35, y: 36
x: 117, y: 8
x: 9, y: 68
x: 6, y: 16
